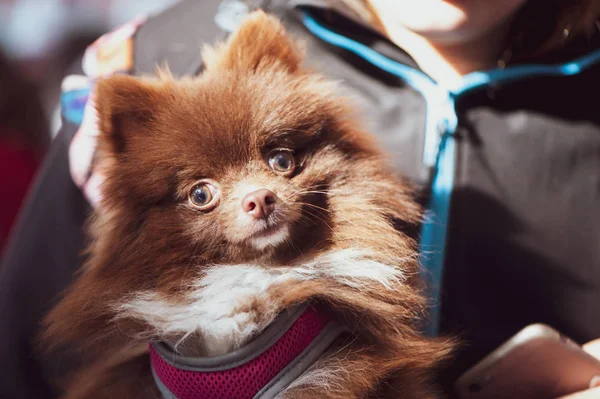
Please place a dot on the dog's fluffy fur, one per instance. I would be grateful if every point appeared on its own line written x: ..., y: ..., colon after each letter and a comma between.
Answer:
x: 202, y: 280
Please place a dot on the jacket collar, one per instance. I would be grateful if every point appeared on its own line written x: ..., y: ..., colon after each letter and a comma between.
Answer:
x: 335, y: 13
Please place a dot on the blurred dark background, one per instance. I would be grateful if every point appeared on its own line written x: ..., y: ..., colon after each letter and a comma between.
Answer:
x: 41, y: 41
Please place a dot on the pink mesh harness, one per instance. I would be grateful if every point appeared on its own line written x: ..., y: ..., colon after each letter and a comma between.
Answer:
x: 261, y: 372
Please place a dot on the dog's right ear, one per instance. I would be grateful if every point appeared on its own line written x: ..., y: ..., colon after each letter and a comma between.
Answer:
x: 260, y: 42
x: 126, y: 107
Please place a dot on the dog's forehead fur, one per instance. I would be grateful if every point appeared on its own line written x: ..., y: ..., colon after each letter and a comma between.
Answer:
x: 221, y: 121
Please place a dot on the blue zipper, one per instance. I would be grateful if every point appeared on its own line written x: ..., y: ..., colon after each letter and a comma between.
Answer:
x: 439, y: 147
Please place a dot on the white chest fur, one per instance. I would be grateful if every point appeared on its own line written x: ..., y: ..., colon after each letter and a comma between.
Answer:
x: 214, y: 306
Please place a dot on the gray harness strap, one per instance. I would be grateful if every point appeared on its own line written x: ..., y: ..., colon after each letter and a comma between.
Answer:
x: 300, y: 364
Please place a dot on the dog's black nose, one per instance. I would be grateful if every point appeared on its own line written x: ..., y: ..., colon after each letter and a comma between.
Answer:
x: 260, y: 203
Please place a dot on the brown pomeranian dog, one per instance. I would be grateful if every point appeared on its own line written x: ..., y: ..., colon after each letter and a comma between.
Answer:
x: 231, y: 199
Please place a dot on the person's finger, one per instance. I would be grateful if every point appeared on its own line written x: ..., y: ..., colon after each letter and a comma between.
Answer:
x: 593, y: 348
x: 589, y: 394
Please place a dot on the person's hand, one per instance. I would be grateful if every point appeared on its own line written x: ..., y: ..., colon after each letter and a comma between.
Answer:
x: 593, y: 348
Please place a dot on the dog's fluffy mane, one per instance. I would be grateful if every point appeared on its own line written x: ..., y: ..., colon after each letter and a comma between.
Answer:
x: 153, y: 272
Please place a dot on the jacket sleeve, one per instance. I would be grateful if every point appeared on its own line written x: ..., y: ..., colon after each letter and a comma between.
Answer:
x: 40, y: 260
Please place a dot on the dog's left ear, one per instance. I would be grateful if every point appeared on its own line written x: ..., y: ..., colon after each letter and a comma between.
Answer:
x: 126, y: 108
x: 260, y: 42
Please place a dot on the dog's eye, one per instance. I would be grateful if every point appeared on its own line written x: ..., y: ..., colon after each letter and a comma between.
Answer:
x: 282, y: 162
x: 203, y: 196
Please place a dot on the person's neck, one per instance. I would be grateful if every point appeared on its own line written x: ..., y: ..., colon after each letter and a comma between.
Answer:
x: 447, y: 63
